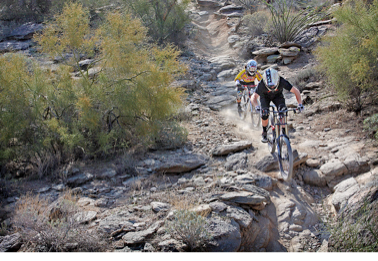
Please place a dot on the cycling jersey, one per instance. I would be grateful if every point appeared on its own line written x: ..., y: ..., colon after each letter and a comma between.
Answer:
x: 264, y: 92
x: 245, y: 79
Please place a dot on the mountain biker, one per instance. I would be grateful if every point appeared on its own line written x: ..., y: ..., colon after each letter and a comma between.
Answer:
x: 270, y: 89
x: 246, y: 77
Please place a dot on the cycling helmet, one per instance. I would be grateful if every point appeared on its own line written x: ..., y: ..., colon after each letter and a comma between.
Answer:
x: 271, y: 79
x: 251, y: 67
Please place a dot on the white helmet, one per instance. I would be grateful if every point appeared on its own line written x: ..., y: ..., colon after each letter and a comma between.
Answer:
x: 271, y: 79
x: 251, y: 67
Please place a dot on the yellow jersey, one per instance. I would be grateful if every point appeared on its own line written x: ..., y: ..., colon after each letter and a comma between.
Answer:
x: 245, y: 79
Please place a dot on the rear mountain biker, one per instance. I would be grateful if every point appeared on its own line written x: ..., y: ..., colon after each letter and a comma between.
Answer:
x: 270, y: 89
x: 246, y: 77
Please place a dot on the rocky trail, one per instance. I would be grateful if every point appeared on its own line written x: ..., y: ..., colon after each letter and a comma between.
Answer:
x: 224, y: 170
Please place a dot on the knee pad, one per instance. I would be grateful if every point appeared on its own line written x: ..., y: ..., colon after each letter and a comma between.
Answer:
x: 264, y: 114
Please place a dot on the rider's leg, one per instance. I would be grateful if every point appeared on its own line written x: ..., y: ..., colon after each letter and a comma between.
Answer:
x: 265, y: 122
x: 264, y: 117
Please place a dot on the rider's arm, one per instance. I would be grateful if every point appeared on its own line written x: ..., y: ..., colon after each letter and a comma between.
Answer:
x: 297, y: 94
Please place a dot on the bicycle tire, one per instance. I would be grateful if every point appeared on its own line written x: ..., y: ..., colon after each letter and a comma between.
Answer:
x: 271, y: 135
x: 243, y: 105
x: 285, y: 158
x: 255, y: 117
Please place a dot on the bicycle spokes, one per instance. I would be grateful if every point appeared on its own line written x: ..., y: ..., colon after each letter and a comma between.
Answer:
x: 278, y: 128
x: 285, y: 157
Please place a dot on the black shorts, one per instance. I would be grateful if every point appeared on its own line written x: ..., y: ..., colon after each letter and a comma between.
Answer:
x: 278, y: 100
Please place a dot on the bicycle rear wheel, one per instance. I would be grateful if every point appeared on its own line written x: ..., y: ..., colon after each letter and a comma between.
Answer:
x: 285, y: 158
x: 271, y: 135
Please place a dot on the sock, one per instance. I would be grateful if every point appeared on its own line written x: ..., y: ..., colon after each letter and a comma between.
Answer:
x: 264, y: 129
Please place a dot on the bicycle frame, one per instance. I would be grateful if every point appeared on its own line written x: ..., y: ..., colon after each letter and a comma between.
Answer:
x: 247, y: 91
x: 280, y: 121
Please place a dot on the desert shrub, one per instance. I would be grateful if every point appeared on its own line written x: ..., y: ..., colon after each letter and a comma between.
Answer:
x: 40, y: 10
x: 371, y: 126
x: 288, y: 22
x: 304, y: 76
x: 46, y: 112
x: 256, y: 22
x: 56, y: 228
x: 355, y: 230
x: 165, y: 19
x: 349, y: 57
x: 189, y: 227
x: 250, y: 5
x: 24, y: 10
x: 169, y: 135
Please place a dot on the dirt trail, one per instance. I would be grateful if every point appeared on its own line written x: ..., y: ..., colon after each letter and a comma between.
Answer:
x: 211, y: 39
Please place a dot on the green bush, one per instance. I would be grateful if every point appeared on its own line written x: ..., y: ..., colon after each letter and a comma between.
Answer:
x: 349, y: 57
x: 46, y: 112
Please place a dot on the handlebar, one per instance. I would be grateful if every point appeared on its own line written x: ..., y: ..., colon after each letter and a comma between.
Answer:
x: 276, y: 111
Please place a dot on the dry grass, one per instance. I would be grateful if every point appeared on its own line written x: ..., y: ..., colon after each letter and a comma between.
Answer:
x: 54, y: 227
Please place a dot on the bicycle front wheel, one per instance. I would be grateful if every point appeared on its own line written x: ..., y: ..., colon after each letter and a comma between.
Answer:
x: 271, y: 135
x: 244, y: 104
x: 285, y: 158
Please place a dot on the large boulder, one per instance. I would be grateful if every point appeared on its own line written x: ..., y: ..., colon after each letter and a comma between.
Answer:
x: 14, y: 46
x: 178, y: 162
x: 25, y: 31
x: 226, y: 236
x: 333, y: 169
x: 226, y: 149
x: 343, y: 191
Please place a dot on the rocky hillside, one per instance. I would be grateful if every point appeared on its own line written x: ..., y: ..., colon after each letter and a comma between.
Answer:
x: 224, y: 172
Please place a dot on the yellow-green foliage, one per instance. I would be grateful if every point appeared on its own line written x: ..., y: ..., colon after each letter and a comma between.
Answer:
x: 69, y: 33
x: 349, y: 58
x: 125, y: 103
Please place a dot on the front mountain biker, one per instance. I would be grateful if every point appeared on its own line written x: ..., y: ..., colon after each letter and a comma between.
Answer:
x: 270, y: 89
x: 246, y: 77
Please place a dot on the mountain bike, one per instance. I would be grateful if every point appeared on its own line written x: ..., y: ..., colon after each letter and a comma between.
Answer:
x: 247, y: 106
x: 277, y: 135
